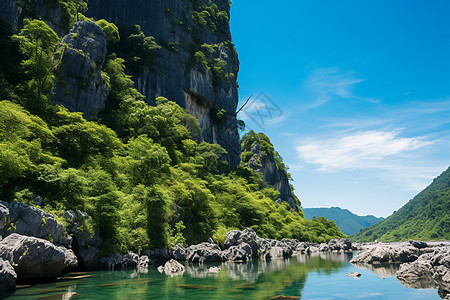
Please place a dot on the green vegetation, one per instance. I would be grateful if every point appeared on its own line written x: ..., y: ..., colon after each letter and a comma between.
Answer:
x: 425, y: 217
x: 139, y: 171
x: 348, y: 222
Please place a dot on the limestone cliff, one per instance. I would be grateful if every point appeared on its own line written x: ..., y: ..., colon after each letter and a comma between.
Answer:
x: 197, y: 65
x: 258, y: 154
x: 80, y: 86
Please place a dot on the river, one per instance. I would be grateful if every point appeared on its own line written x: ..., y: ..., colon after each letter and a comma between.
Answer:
x: 316, y: 276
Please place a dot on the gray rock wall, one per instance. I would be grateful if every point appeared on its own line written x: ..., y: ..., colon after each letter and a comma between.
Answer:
x: 80, y: 86
x: 10, y: 11
x: 192, y: 88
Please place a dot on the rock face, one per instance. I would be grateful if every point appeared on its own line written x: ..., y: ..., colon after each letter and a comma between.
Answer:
x: 429, y: 270
x: 30, y: 221
x: 80, y: 86
x: 177, y: 74
x: 86, y: 241
x: 264, y: 163
x: 385, y: 254
x: 36, y: 259
x: 8, y: 276
x: 10, y: 11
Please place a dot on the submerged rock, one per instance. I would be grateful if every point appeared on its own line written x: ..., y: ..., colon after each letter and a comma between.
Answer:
x: 385, y: 254
x: 8, y: 276
x: 31, y: 221
x: 34, y: 258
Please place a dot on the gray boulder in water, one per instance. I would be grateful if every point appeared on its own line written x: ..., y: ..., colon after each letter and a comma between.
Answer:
x: 430, y: 270
x: 242, y: 252
x: 204, y: 252
x: 385, y: 254
x: 31, y: 221
x: 34, y: 258
x: 8, y: 276
x: 173, y: 268
x: 117, y: 261
x: 236, y: 237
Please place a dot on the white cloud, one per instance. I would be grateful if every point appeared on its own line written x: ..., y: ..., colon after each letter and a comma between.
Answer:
x: 327, y: 84
x: 361, y: 150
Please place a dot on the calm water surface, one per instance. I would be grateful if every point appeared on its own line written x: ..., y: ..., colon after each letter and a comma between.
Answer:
x: 319, y: 276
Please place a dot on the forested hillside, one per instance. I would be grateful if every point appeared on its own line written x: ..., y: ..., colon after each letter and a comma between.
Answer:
x: 347, y: 221
x: 425, y: 217
x: 141, y: 172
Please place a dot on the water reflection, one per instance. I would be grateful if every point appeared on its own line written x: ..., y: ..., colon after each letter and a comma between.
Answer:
x: 381, y: 270
x: 253, y: 280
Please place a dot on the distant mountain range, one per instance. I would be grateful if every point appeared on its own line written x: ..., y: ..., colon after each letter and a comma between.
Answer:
x: 425, y: 217
x: 348, y: 222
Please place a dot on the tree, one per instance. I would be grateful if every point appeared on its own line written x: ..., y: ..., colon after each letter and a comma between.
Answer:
x: 38, y: 43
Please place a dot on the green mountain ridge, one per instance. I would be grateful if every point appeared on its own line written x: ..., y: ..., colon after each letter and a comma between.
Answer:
x: 348, y: 222
x: 425, y: 217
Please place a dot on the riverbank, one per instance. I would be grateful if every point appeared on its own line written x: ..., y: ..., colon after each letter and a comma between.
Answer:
x: 35, y: 247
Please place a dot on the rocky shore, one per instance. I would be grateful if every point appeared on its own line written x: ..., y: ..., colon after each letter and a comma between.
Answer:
x: 415, y: 264
x: 35, y: 247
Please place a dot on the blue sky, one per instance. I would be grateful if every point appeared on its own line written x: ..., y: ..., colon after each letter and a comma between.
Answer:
x: 358, y: 94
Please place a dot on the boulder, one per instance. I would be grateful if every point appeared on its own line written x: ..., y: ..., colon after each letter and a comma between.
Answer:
x: 28, y: 220
x: 86, y: 239
x: 179, y: 253
x: 8, y: 276
x: 340, y: 245
x: 35, y: 259
x: 204, y: 252
x: 143, y: 262
x: 173, y: 268
x: 236, y: 237
x: 121, y: 262
x: 418, y: 244
x: 385, y: 254
x: 242, y: 252
x: 158, y: 256
x: 324, y: 247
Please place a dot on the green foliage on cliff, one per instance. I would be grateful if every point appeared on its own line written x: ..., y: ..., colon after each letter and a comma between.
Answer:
x: 425, y: 217
x: 266, y: 148
x: 141, y: 172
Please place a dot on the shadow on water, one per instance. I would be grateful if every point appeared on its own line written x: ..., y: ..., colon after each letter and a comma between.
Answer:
x: 253, y: 280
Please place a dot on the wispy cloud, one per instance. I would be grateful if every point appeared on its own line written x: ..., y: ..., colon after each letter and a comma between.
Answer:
x: 361, y: 150
x: 327, y: 84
